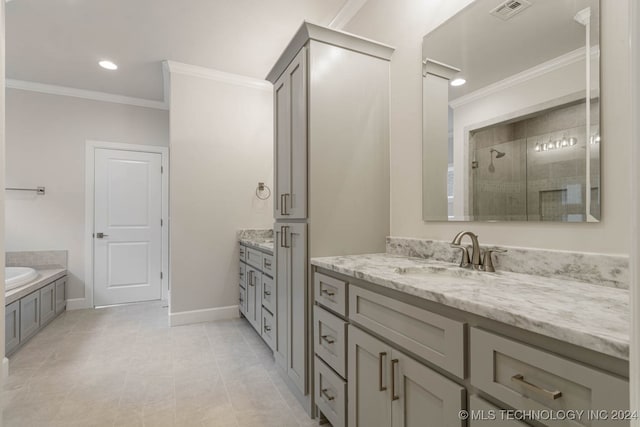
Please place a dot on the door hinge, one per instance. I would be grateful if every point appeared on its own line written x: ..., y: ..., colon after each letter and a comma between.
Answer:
x: 161, y: 275
x: 161, y: 222
x: 161, y: 169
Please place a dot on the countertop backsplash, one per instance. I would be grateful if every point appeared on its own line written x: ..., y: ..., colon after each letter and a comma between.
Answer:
x: 37, y: 259
x: 598, y: 269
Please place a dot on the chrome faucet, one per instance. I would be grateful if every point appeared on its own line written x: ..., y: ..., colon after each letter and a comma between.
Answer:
x: 475, y: 260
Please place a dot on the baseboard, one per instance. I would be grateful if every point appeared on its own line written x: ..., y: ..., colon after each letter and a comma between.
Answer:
x: 205, y: 315
x: 78, y: 304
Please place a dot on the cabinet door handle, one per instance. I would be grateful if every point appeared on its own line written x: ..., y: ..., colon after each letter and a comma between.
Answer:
x: 380, y: 369
x: 267, y: 263
x: 267, y: 293
x: 394, y: 363
x: 283, y: 236
x: 283, y: 204
x: 326, y: 395
x: 267, y: 328
x: 551, y: 395
x: 328, y: 339
x: 327, y: 292
x: 251, y: 276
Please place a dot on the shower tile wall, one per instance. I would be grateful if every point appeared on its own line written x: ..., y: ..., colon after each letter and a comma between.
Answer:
x: 526, y: 184
x: 499, y: 183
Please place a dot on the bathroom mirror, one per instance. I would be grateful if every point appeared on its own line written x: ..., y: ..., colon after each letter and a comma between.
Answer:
x: 508, y: 134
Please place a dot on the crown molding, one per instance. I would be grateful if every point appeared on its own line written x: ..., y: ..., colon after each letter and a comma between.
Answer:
x: 217, y: 75
x: 526, y: 75
x: 84, y: 94
x: 346, y: 13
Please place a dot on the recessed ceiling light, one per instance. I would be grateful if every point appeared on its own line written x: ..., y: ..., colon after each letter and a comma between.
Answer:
x: 108, y: 65
x: 458, y: 82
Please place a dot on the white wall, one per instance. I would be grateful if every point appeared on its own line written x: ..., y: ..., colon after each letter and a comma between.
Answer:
x: 221, y: 146
x: 403, y: 23
x: 46, y: 138
x: 2, y: 178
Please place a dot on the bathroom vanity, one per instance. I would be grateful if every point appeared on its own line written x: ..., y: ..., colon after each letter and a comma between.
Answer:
x: 31, y: 307
x: 257, y: 290
x: 403, y: 341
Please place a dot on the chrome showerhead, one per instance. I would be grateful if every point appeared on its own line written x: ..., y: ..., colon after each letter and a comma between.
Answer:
x: 499, y: 154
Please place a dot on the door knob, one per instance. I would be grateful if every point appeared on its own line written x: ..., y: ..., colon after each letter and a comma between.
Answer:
x: 101, y: 235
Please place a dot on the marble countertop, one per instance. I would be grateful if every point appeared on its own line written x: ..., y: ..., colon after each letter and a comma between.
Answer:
x: 265, y: 245
x: 591, y: 316
x: 46, y: 275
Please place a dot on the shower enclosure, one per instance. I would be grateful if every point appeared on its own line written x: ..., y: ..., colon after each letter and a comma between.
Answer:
x: 534, y: 168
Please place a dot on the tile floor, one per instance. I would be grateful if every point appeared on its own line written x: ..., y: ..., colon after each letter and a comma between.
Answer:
x: 123, y: 366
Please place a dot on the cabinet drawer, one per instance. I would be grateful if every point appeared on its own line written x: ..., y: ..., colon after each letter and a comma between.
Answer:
x: 330, y: 394
x: 268, y: 328
x: 330, y: 339
x: 243, y: 253
x: 526, y: 377
x: 243, y: 275
x: 435, y: 338
x: 330, y: 293
x: 254, y: 258
x: 268, y: 293
x: 268, y: 266
x: 484, y: 414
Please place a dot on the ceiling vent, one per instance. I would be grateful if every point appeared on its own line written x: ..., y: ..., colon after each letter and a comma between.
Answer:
x: 509, y: 9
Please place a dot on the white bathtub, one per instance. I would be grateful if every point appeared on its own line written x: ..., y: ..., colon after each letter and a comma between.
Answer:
x: 15, y: 277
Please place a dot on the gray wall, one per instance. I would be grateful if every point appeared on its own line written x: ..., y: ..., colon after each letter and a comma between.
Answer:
x: 46, y: 138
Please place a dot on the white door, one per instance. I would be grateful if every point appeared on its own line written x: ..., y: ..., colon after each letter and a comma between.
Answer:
x: 127, y: 227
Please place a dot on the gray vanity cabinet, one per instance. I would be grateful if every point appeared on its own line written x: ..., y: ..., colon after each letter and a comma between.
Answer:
x: 290, y: 105
x: 421, y: 397
x: 291, y: 302
x: 61, y: 295
x: 47, y: 303
x: 368, y: 386
x: 321, y: 81
x: 388, y: 388
x: 11, y: 327
x: 253, y: 296
x: 29, y: 315
x: 526, y: 377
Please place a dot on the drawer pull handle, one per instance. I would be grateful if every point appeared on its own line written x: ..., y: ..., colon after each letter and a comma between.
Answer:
x: 328, y: 339
x: 327, y: 292
x: 326, y: 395
x: 551, y: 395
x: 380, y: 375
x: 394, y: 363
x: 267, y: 263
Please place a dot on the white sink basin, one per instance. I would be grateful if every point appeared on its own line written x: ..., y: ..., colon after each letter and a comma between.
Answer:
x: 15, y: 277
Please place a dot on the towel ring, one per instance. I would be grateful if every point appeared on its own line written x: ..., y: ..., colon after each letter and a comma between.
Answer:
x: 263, y: 192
